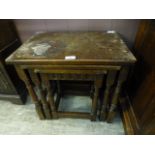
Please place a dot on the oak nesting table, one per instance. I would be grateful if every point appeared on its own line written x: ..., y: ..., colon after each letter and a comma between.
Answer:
x: 100, y: 57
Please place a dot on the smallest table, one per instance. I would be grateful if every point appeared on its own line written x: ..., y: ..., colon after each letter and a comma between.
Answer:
x: 100, y: 57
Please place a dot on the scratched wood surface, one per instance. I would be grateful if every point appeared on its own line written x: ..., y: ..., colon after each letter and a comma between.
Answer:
x: 95, y: 46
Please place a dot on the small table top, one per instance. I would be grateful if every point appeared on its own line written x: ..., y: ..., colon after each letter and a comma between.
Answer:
x: 73, y: 48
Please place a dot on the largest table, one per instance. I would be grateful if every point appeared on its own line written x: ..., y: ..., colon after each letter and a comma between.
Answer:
x: 91, y: 56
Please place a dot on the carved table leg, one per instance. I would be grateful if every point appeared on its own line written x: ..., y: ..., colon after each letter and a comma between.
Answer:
x: 31, y: 91
x: 122, y: 77
x: 109, y: 82
x: 50, y: 96
x: 98, y: 84
x: 45, y: 104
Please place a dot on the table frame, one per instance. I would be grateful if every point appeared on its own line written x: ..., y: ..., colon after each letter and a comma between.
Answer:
x: 46, y: 108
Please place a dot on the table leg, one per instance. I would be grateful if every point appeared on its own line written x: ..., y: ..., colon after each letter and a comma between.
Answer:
x: 92, y: 91
x: 122, y: 77
x: 58, y: 94
x: 45, y: 104
x: 31, y: 91
x: 50, y: 96
x: 109, y: 82
x: 98, y: 84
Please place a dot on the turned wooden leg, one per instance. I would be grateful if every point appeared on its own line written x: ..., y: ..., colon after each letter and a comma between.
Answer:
x: 31, y: 91
x: 109, y: 82
x: 92, y: 91
x: 58, y: 94
x: 45, y: 104
x: 122, y: 77
x: 98, y: 84
x: 94, y: 105
x: 49, y: 94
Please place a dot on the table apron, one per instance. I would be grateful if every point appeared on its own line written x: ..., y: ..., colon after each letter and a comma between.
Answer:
x: 72, y: 67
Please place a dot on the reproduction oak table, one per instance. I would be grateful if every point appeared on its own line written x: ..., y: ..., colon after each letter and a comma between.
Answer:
x: 100, y: 57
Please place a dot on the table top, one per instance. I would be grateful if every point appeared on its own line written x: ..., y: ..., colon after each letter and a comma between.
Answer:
x: 73, y: 48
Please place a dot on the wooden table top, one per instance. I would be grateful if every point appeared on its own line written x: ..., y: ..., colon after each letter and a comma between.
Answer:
x: 87, y: 47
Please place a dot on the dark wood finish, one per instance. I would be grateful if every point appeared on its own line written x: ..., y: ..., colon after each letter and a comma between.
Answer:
x: 46, y: 77
x: 97, y: 53
x: 22, y: 74
x: 121, y: 78
x: 90, y: 48
x: 11, y: 87
x: 48, y: 86
x: 128, y: 116
x: 140, y: 107
x: 105, y: 106
x: 97, y: 86
x: 74, y: 115
x: 59, y: 94
x: 38, y: 84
